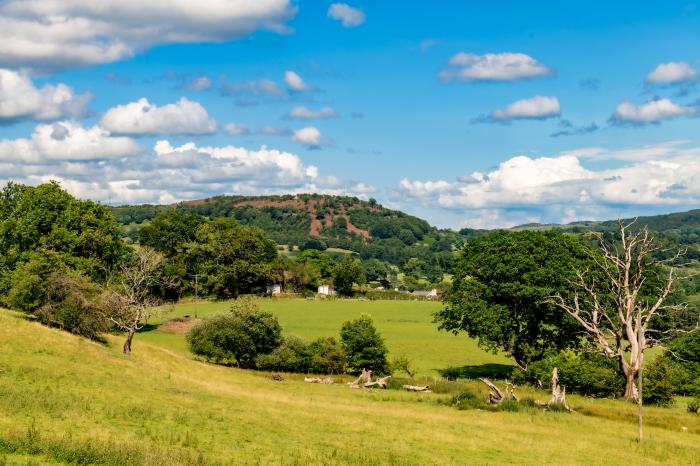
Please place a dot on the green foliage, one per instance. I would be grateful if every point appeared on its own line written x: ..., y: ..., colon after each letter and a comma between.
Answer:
x: 290, y: 356
x: 322, y: 261
x: 169, y: 232
x: 500, y: 286
x: 403, y: 364
x: 347, y: 273
x: 364, y: 346
x: 325, y: 355
x: 584, y: 373
x: 684, y: 358
x: 694, y: 405
x: 239, y: 336
x: 658, y: 388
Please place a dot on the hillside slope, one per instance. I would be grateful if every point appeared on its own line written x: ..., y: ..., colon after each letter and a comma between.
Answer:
x: 66, y: 399
x: 320, y: 221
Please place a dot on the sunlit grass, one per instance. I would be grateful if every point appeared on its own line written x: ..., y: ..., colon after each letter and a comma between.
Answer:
x: 64, y: 398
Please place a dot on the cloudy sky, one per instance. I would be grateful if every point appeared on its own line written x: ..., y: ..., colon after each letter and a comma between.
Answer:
x: 464, y: 113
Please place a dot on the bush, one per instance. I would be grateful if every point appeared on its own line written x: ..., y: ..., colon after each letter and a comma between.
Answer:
x: 658, y: 387
x: 467, y: 400
x: 585, y: 374
x: 364, y: 346
x: 239, y: 336
x: 402, y: 363
x: 684, y: 358
x: 326, y: 356
x: 289, y: 356
x: 694, y: 406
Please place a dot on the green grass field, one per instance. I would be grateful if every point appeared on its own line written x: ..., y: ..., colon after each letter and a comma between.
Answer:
x: 66, y: 400
x: 406, y: 325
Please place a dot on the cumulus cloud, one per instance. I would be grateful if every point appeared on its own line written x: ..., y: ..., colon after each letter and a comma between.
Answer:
x: 294, y: 82
x: 469, y: 67
x: 59, y: 34
x: 560, y: 188
x: 309, y: 136
x: 537, y: 108
x: 66, y: 141
x: 21, y: 99
x: 170, y: 173
x: 235, y: 129
x: 143, y: 118
x: 672, y: 72
x: 348, y: 16
x: 650, y: 112
x: 305, y: 113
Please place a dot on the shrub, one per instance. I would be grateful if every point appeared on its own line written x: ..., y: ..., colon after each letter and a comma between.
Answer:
x: 684, y: 358
x: 239, y: 336
x: 694, y: 406
x: 658, y: 387
x: 467, y: 400
x: 289, y: 356
x: 585, y: 373
x: 326, y: 356
x: 364, y: 346
x: 402, y: 363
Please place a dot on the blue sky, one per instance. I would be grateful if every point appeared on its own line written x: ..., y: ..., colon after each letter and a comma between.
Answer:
x: 465, y: 113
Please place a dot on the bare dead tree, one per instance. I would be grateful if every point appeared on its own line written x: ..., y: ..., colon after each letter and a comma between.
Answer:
x: 128, y: 303
x: 618, y: 312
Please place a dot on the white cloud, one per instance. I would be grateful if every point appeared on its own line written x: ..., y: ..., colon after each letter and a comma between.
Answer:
x: 493, y: 67
x: 650, y: 112
x: 309, y: 136
x: 171, y: 173
x: 347, y: 15
x: 235, y: 129
x: 294, y: 82
x: 672, y: 72
x: 66, y: 141
x: 305, y: 113
x: 559, y: 188
x: 21, y: 99
x: 58, y: 34
x: 200, y: 83
x: 143, y: 118
x: 538, y: 107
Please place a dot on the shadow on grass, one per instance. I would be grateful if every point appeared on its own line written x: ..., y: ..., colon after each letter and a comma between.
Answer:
x: 492, y: 371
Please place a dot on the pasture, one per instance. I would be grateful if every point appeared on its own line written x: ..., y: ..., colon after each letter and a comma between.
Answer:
x: 67, y: 400
x: 406, y: 326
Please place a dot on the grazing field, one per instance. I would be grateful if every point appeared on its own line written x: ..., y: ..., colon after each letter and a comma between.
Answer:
x: 64, y: 399
x: 406, y: 325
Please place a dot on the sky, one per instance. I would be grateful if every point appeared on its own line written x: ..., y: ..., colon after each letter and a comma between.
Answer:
x: 467, y: 114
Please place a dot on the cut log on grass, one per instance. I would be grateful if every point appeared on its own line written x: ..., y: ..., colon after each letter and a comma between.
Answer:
x: 417, y: 388
x: 379, y: 383
x: 495, y: 396
x: 558, y: 393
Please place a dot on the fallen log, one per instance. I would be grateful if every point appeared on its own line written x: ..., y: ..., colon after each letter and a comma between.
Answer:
x: 417, y: 388
x: 326, y: 381
x: 379, y: 383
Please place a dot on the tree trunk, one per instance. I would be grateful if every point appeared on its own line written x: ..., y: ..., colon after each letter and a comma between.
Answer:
x: 631, y: 386
x: 127, y: 343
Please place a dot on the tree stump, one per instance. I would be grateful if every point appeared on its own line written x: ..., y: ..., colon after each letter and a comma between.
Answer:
x: 558, y: 393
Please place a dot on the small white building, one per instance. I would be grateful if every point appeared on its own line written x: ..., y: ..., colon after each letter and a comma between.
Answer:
x: 326, y: 290
x: 274, y: 289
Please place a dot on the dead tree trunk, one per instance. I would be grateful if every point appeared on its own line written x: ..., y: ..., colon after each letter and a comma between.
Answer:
x: 127, y: 342
x: 558, y: 393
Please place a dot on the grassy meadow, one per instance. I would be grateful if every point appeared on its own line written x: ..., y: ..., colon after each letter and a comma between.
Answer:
x: 406, y: 325
x: 67, y: 400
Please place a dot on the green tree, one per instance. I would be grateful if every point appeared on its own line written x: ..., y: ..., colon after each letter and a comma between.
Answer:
x: 290, y: 356
x: 232, y: 258
x: 363, y: 346
x: 326, y: 356
x: 324, y: 262
x: 500, y: 289
x: 348, y: 272
x: 238, y: 336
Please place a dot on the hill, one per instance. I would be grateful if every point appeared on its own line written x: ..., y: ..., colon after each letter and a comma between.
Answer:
x: 67, y: 400
x: 320, y: 222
